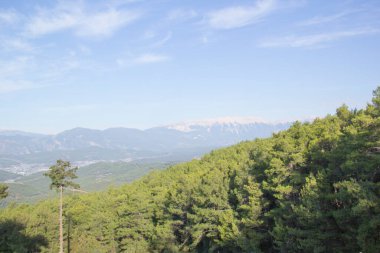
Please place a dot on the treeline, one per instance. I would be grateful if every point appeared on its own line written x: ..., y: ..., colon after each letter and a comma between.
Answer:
x: 312, y: 188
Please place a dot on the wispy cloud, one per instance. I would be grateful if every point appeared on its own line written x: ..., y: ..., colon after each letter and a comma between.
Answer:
x: 149, y: 34
x: 151, y: 58
x: 315, y: 39
x: 105, y: 23
x: 118, y: 3
x: 147, y: 58
x: 50, y: 21
x: 25, y: 72
x: 15, y: 44
x: 62, y: 17
x: 8, y: 16
x: 181, y: 14
x: 163, y: 40
x: 326, y: 19
x: 239, y: 16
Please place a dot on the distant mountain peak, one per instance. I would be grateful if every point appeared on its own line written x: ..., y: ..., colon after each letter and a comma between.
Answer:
x: 188, y: 125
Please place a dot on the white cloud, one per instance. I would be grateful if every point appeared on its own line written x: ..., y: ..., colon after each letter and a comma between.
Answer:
x: 239, y: 16
x: 326, y: 19
x: 45, y: 22
x: 147, y: 58
x: 105, y: 23
x: 156, y: 39
x: 163, y: 41
x: 8, y: 16
x: 64, y: 17
x: 15, y: 45
x: 315, y: 39
x: 118, y: 3
x: 150, y: 58
x: 25, y: 72
x: 181, y: 14
x: 149, y: 34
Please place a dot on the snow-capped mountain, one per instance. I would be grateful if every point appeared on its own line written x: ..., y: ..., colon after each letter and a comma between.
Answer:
x: 225, y: 131
x: 229, y: 123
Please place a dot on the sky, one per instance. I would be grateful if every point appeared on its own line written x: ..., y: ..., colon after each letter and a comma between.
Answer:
x: 141, y: 63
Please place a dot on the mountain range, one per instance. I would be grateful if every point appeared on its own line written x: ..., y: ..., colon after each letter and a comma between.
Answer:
x: 25, y: 153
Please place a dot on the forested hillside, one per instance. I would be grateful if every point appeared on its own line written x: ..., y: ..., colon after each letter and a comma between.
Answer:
x: 312, y: 188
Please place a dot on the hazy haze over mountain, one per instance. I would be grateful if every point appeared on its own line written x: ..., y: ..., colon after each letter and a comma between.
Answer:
x: 27, y: 152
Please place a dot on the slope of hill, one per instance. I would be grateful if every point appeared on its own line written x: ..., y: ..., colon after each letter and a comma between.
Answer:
x: 94, y: 177
x: 312, y: 188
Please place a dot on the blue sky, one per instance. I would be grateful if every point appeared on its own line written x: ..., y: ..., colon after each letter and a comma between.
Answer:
x: 141, y: 63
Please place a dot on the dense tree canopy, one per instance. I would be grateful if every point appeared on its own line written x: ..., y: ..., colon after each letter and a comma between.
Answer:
x: 312, y: 188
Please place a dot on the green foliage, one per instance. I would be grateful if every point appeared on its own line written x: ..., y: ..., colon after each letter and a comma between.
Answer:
x: 3, y: 191
x: 12, y: 239
x: 312, y: 188
x: 61, y: 174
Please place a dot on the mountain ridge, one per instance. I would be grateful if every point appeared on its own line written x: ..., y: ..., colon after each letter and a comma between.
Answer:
x: 201, y: 122
x: 83, y: 145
